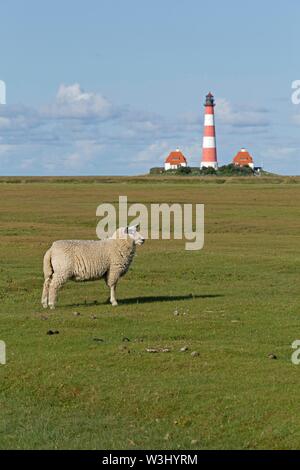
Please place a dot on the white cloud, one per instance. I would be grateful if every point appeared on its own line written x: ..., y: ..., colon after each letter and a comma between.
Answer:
x: 240, y: 116
x: 84, y: 153
x: 280, y: 153
x: 4, y: 122
x: 154, y: 154
x: 72, y: 102
x: 4, y: 149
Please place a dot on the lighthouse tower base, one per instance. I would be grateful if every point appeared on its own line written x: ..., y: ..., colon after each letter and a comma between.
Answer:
x: 209, y: 165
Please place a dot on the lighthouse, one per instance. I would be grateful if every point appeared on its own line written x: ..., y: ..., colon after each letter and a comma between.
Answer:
x: 209, y: 150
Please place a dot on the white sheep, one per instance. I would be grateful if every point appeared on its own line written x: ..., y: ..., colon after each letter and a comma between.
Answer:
x: 85, y: 260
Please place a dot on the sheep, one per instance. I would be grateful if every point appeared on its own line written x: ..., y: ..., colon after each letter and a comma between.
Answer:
x: 85, y: 260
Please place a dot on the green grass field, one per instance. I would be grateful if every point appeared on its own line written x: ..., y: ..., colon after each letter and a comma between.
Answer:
x: 238, y: 301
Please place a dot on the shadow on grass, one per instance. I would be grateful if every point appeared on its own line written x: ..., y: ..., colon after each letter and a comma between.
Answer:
x: 166, y: 298
x: 151, y: 299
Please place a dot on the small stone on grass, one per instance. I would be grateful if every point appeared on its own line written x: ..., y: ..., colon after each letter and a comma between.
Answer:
x: 158, y: 350
x: 194, y: 354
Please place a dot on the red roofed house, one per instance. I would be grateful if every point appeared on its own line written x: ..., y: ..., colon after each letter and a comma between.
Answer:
x: 243, y: 158
x: 175, y: 160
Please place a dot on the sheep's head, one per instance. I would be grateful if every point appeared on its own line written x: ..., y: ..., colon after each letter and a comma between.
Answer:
x: 130, y: 232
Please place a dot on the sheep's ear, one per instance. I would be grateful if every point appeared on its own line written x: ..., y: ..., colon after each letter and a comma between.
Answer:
x: 126, y: 230
x: 137, y: 227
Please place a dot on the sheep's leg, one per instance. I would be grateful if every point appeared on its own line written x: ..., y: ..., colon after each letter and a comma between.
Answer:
x: 56, y: 282
x: 106, y: 282
x: 46, y: 292
x: 113, y: 300
x: 111, y: 280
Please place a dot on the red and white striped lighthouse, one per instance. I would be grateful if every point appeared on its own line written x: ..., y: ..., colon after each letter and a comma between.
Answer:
x: 209, y: 151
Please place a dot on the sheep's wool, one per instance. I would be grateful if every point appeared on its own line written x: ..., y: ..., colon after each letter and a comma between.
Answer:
x: 85, y: 260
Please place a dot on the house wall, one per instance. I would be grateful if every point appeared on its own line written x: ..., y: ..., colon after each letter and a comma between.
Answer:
x: 169, y: 166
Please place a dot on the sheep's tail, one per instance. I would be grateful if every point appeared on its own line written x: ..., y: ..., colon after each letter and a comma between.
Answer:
x: 48, y: 269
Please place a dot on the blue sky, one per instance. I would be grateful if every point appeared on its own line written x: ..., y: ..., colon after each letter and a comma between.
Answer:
x: 111, y: 86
